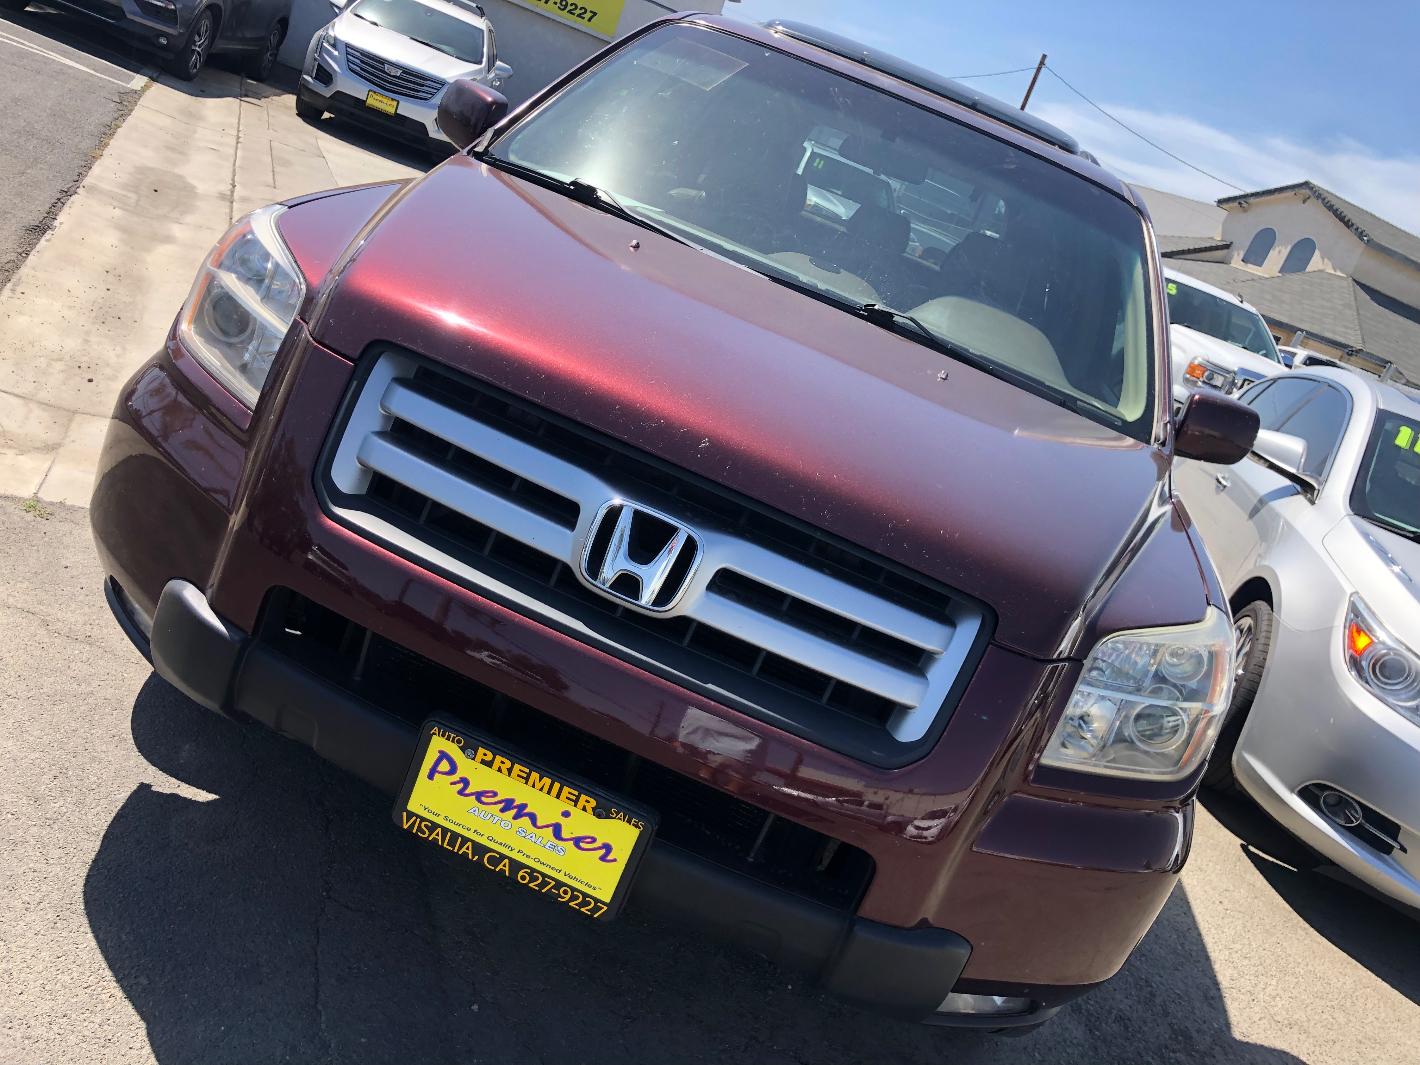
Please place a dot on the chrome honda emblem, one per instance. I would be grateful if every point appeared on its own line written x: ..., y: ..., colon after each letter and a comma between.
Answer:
x: 393, y: 71
x: 639, y: 556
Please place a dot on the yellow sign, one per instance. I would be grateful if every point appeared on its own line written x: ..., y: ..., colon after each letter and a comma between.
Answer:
x: 380, y: 102
x: 577, y: 845
x: 600, y: 17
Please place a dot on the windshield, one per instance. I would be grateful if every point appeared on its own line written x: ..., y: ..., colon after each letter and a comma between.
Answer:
x: 1224, y: 319
x: 1040, y: 273
x: 854, y: 186
x: 1387, y: 489
x: 426, y: 24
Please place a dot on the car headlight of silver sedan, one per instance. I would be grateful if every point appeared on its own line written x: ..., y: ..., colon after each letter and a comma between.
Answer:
x: 244, y: 299
x: 1385, y: 667
x: 1149, y: 702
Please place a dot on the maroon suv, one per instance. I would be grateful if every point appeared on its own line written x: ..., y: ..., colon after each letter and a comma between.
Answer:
x: 736, y: 483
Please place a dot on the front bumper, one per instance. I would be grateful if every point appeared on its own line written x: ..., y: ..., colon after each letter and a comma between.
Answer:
x: 957, y: 848
x: 1312, y: 723
x: 415, y: 121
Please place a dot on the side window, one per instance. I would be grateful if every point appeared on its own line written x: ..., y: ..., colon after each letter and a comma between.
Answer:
x: 1260, y: 247
x: 1282, y: 396
x: 492, y: 47
x: 1320, y: 422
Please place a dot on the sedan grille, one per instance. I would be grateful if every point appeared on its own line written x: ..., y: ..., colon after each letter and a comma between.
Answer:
x: 778, y: 620
x: 410, y: 84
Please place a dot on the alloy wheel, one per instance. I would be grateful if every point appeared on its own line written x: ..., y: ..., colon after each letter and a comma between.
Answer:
x: 201, y: 41
x: 1242, y: 645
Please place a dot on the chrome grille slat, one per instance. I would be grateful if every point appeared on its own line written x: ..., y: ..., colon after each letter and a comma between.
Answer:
x: 846, y: 634
x: 411, y: 84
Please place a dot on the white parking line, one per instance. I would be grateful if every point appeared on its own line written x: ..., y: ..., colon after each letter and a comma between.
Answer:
x: 136, y: 82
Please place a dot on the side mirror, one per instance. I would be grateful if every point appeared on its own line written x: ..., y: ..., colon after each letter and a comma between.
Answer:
x: 1214, y: 428
x: 467, y: 109
x: 1287, y: 360
x: 1285, y: 452
x: 337, y: 6
x: 501, y: 73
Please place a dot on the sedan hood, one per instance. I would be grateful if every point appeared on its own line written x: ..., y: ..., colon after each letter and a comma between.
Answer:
x: 1187, y: 344
x: 866, y: 434
x: 1384, y: 568
x: 401, y: 51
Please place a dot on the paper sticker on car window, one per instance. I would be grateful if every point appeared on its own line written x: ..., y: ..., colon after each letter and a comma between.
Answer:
x: 701, y: 66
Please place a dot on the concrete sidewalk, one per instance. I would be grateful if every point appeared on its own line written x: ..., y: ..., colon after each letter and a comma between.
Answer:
x: 97, y: 296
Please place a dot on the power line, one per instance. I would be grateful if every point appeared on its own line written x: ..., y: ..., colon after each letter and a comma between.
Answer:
x: 997, y: 74
x: 1141, y: 136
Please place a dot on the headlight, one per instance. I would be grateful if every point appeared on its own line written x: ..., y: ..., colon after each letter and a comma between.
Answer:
x: 1149, y: 702
x: 1385, y: 667
x: 243, y: 301
x: 1200, y: 371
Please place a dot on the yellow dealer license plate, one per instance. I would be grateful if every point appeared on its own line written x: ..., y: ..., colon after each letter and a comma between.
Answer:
x: 549, y: 831
x: 380, y: 102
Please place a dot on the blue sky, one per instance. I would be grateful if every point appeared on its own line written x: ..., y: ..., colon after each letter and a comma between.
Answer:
x: 1261, y: 94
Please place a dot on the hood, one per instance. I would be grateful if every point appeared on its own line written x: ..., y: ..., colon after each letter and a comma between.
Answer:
x: 1187, y: 344
x: 400, y: 50
x: 819, y: 414
x: 1384, y: 569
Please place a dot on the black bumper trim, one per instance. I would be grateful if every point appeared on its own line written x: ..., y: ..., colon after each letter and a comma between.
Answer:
x: 902, y: 972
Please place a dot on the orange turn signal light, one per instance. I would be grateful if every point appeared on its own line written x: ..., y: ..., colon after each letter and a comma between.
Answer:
x: 1195, y: 370
x: 1357, y: 639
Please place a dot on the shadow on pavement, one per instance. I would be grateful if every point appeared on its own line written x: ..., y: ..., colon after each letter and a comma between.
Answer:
x: 286, y: 918
x: 221, y: 78
x: 1383, y: 937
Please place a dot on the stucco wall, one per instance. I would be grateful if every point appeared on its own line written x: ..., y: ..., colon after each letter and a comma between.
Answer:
x: 537, y: 46
x: 1394, y: 278
x: 1336, y: 246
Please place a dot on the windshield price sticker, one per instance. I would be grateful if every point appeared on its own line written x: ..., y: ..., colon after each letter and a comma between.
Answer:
x: 600, y: 17
x: 475, y: 798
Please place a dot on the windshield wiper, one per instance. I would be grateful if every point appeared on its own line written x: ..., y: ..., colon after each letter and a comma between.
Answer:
x: 887, y: 317
x: 438, y: 48
x: 590, y: 195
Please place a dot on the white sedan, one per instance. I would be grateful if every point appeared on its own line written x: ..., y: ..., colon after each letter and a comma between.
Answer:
x: 1316, y: 538
x: 386, y: 64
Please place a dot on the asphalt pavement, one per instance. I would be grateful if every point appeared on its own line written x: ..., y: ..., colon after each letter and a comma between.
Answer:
x: 176, y: 887
x: 64, y: 88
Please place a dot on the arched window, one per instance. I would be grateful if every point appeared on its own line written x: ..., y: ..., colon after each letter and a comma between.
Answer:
x: 1261, y: 247
x: 1300, y: 257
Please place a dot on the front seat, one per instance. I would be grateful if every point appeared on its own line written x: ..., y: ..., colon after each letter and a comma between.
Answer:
x: 871, y: 247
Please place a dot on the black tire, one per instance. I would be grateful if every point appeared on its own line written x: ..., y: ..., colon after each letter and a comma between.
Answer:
x: 193, y: 54
x: 307, y: 110
x: 259, y: 66
x: 1252, y: 638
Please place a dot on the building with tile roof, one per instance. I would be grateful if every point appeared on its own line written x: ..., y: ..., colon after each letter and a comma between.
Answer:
x: 1327, y: 274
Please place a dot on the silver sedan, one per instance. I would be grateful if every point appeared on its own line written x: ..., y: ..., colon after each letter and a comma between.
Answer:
x: 1317, y: 539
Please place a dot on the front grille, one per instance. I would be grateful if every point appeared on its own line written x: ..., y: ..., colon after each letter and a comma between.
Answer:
x: 694, y: 816
x: 410, y: 84
x: 780, y: 620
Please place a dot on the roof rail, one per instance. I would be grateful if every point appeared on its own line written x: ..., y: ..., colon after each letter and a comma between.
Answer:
x: 927, y: 81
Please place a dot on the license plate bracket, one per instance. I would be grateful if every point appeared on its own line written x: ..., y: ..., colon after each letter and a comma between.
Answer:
x: 550, y: 831
x: 380, y: 102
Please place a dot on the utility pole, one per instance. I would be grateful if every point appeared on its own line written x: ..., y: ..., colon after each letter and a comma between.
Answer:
x: 1034, y: 78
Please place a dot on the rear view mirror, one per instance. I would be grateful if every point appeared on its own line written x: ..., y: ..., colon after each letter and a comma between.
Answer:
x: 1214, y: 428
x: 467, y: 109
x: 1285, y: 452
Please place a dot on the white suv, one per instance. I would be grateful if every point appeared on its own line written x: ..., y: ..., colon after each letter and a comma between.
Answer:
x: 1215, y: 340
x: 386, y: 63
